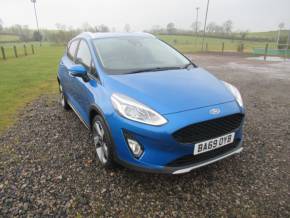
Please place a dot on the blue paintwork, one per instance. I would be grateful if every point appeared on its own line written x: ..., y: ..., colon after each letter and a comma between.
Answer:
x: 77, y: 70
x: 183, y: 97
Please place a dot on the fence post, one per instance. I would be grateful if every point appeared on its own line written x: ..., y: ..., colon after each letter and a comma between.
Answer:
x: 266, y: 51
x: 25, y: 50
x: 15, y: 51
x: 3, y: 53
x: 206, y: 47
x: 242, y: 47
x: 32, y: 48
x: 223, y: 48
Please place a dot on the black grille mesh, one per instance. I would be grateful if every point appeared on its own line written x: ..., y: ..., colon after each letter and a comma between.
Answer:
x: 209, y: 129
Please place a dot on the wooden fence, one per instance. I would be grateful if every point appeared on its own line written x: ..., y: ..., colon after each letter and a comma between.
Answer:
x: 16, y: 51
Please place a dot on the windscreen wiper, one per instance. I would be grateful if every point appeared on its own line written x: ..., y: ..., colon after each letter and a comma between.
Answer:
x: 187, y: 65
x: 154, y: 69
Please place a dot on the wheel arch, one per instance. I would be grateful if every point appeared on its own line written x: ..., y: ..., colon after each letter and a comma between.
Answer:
x: 94, y: 111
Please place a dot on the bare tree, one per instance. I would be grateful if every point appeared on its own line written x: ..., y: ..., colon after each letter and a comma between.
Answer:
x: 156, y: 29
x: 127, y: 27
x: 211, y: 27
x: 228, y: 26
x: 195, y: 26
x: 87, y: 27
x: 281, y: 26
x: 243, y: 34
x: 102, y: 28
x: 60, y: 26
x: 214, y: 28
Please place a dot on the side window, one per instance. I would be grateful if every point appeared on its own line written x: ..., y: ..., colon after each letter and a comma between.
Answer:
x: 84, y: 54
x: 72, y: 49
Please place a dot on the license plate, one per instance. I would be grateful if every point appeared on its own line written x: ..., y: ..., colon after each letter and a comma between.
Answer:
x: 212, y: 144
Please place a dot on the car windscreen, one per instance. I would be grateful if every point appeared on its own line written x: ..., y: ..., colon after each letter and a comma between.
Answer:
x: 122, y: 55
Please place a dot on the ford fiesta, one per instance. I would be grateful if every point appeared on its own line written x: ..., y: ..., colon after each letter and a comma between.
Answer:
x: 149, y: 107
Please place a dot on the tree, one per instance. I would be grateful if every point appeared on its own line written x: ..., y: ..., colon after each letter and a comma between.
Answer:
x: 127, y: 28
x: 195, y: 26
x: 228, y: 26
x: 37, y: 36
x: 244, y: 34
x: 156, y: 29
x: 211, y: 27
x: 171, y: 28
x: 60, y: 26
x: 281, y: 25
x: 24, y: 32
x: 1, y: 25
x: 87, y: 27
x: 102, y: 28
x: 214, y: 28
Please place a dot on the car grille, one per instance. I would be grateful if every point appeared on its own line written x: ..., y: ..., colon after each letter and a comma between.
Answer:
x: 209, y: 129
x: 192, y: 159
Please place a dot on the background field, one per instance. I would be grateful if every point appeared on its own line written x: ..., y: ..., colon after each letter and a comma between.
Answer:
x: 8, y: 37
x: 191, y: 44
x: 24, y: 78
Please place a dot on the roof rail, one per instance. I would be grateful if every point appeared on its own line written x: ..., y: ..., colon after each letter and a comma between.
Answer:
x: 88, y: 34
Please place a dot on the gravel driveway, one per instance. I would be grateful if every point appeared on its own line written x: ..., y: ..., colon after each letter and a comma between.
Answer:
x: 47, y: 162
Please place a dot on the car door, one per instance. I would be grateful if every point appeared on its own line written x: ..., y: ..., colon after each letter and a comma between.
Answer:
x: 66, y: 62
x: 84, y: 89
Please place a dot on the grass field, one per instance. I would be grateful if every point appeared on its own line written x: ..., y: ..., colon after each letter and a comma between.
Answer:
x: 191, y: 44
x: 269, y: 34
x: 4, y: 38
x: 23, y: 79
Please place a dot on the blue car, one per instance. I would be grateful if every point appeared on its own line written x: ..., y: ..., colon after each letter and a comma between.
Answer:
x: 148, y: 106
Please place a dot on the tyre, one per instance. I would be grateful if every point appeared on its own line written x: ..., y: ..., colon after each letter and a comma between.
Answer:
x: 63, y: 100
x: 102, y: 142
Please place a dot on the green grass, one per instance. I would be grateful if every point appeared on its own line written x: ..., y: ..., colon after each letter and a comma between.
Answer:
x: 4, y: 38
x: 25, y: 78
x: 269, y: 34
x: 191, y: 44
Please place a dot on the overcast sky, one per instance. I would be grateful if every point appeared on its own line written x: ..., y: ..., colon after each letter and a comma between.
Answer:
x: 253, y: 15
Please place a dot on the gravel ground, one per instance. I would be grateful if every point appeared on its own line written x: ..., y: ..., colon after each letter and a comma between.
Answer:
x: 47, y: 164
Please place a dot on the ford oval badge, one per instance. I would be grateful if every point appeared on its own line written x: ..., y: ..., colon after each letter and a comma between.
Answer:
x: 214, y: 111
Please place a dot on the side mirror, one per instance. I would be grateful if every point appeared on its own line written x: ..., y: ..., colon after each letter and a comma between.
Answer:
x: 78, y: 70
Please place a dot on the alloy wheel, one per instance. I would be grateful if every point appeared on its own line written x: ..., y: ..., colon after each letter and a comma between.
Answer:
x: 62, y: 100
x: 100, y: 142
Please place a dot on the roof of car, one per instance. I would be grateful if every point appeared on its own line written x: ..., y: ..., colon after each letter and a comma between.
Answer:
x: 113, y: 34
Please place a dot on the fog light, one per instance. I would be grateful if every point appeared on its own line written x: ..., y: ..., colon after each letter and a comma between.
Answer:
x: 135, y: 147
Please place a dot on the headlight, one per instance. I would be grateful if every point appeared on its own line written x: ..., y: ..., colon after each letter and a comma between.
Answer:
x: 235, y: 92
x: 133, y: 110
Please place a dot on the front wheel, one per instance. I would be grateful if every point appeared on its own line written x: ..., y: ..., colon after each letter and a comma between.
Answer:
x: 102, y: 142
x: 63, y: 100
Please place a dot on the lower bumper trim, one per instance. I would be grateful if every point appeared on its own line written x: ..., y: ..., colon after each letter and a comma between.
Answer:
x: 189, y: 168
x: 184, y: 169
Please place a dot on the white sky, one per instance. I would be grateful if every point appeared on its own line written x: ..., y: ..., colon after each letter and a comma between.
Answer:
x: 253, y: 15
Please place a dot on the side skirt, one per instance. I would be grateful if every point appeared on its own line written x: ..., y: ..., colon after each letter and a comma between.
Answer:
x: 77, y: 113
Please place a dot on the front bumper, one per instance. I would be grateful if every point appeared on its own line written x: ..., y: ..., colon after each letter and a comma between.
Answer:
x: 186, y: 168
x: 160, y: 148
